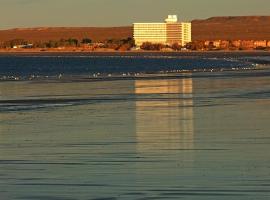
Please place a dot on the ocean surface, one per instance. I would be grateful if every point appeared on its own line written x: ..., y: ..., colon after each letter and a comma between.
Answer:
x: 135, y: 126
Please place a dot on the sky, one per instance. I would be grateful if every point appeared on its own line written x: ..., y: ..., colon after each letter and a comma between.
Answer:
x: 100, y: 13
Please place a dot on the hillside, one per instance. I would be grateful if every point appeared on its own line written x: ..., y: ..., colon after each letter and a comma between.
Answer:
x: 232, y: 28
x: 229, y: 28
x: 46, y: 34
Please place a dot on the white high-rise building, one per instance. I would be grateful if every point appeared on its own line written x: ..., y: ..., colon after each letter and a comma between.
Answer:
x: 168, y: 33
x: 186, y: 32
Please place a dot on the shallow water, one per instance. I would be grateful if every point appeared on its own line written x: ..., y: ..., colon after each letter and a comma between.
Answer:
x: 186, y: 135
x: 31, y: 66
x: 198, y: 136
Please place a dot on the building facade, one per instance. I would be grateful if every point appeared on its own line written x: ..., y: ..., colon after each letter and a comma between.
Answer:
x: 150, y: 32
x: 186, y: 33
x: 167, y: 33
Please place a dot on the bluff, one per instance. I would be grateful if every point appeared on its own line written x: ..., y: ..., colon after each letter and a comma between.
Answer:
x: 44, y: 34
x: 225, y: 28
x: 232, y: 28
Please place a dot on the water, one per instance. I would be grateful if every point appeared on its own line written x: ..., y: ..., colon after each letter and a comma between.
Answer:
x: 51, y: 65
x: 192, y: 135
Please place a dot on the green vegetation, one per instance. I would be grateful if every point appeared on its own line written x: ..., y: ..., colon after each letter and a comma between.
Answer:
x: 148, y: 46
x: 121, y: 45
x: 176, y: 47
x: 12, y: 43
x: 127, y: 44
x: 86, y: 41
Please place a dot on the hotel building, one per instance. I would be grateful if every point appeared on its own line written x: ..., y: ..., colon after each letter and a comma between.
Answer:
x: 167, y: 33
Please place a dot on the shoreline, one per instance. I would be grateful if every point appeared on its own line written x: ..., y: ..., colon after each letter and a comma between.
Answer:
x: 142, y: 76
x: 134, y: 52
x: 253, y: 59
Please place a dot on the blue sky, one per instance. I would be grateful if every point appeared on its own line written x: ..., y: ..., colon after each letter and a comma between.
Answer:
x: 36, y: 13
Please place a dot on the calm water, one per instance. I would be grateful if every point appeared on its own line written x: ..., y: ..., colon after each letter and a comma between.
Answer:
x: 51, y: 65
x: 197, y: 135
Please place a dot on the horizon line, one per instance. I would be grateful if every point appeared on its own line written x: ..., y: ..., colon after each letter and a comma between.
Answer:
x: 118, y: 26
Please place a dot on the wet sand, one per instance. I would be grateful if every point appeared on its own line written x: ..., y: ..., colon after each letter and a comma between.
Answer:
x: 196, y: 137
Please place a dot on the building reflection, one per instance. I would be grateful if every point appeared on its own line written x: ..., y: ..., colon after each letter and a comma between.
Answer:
x: 164, y: 115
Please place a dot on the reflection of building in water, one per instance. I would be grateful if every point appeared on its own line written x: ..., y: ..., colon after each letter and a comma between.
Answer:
x: 164, y: 114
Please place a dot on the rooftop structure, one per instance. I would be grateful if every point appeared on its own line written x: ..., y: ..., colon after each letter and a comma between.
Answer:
x: 171, y: 19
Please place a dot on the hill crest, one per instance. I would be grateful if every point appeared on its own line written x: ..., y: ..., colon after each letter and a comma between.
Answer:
x: 214, y: 28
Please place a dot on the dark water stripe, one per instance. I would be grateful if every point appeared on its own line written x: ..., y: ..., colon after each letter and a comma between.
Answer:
x: 39, y: 163
x: 146, y: 97
x: 44, y: 198
x: 132, y: 97
x: 68, y: 145
x: 210, y: 190
x: 59, y: 198
x: 134, y: 194
x: 64, y: 184
x: 105, y: 198
x: 196, y: 149
x: 158, y: 198
x: 86, y: 162
x: 200, y: 194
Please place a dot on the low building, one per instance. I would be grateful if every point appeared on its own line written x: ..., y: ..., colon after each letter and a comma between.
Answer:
x: 247, y: 44
x: 167, y: 33
x: 207, y: 43
x: 224, y: 44
x: 260, y: 43
x: 24, y: 46
x: 217, y: 43
x: 236, y: 43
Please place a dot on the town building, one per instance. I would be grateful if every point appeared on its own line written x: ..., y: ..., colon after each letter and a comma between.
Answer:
x: 186, y: 33
x: 236, y: 43
x: 225, y: 44
x: 247, y: 44
x: 260, y: 43
x: 169, y: 32
x: 217, y: 43
x: 24, y: 46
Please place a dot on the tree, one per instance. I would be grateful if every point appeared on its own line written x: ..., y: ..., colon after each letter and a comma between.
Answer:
x: 195, y: 45
x: 86, y: 41
x: 176, y: 47
x: 211, y: 46
x: 148, y: 46
x: 16, y: 42
x: 72, y: 42
x: 39, y: 44
x: 52, y: 44
x: 129, y: 41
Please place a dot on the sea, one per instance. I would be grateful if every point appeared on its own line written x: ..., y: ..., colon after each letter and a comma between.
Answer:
x: 138, y: 126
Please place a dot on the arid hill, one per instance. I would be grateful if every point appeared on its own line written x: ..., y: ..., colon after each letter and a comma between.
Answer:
x: 232, y: 28
x: 227, y: 28
x: 46, y: 34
